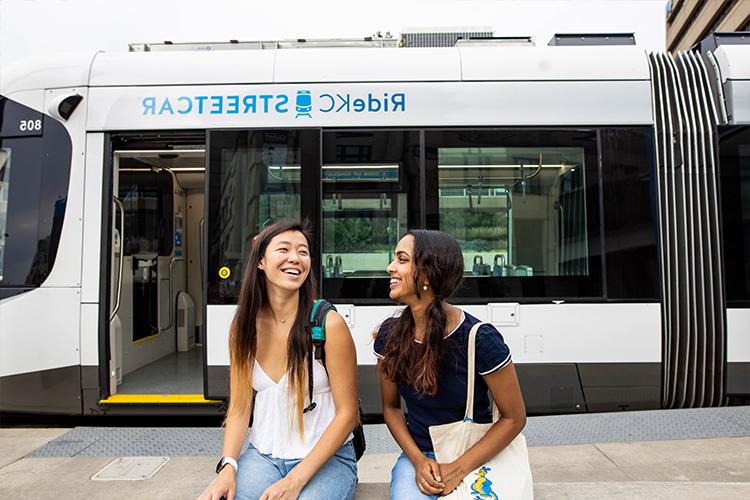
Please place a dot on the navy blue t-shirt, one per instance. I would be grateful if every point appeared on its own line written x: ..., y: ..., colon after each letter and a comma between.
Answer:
x: 449, y: 403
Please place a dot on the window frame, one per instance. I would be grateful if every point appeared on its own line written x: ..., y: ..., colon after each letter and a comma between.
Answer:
x: 736, y: 282
x: 308, y: 140
x: 373, y: 290
x: 531, y: 289
x: 45, y: 201
x: 423, y: 212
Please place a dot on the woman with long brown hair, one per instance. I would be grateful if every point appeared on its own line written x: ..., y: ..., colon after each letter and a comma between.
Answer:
x: 296, y: 448
x: 422, y: 358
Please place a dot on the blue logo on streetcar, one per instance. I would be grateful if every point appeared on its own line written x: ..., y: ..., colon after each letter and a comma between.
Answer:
x: 279, y: 104
x: 303, y: 103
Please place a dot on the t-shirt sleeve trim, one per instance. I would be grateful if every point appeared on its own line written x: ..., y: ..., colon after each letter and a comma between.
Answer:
x: 502, y: 364
x: 377, y: 354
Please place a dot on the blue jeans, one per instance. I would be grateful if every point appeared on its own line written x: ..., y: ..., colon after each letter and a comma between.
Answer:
x: 336, y: 480
x: 403, y: 480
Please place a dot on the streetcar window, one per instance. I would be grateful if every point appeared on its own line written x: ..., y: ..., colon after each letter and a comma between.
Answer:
x: 4, y: 188
x: 35, y: 154
x: 515, y: 211
x: 254, y: 180
x: 360, y: 229
x: 365, y: 208
x: 523, y: 205
x: 735, y: 198
x: 148, y: 203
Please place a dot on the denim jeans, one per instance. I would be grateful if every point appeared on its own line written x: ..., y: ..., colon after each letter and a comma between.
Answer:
x: 403, y: 480
x: 336, y: 480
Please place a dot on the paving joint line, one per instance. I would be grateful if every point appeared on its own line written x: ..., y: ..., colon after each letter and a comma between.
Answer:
x: 92, y: 443
x: 614, y: 463
x: 13, y: 462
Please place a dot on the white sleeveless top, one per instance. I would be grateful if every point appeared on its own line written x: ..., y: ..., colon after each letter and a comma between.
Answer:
x: 273, y: 432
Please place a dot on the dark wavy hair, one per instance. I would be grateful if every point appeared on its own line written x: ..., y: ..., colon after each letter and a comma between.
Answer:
x: 438, y: 261
x: 243, y: 333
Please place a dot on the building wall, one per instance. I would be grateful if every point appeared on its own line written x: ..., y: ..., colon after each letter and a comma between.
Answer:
x: 689, y: 21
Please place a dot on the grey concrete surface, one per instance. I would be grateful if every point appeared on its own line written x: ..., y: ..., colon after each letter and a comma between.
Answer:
x: 725, y: 460
x: 17, y: 443
x: 69, y: 478
x: 376, y: 468
x: 684, y: 469
x: 573, y: 463
x: 641, y: 491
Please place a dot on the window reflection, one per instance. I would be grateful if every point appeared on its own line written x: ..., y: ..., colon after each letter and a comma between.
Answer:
x: 254, y: 180
x: 735, y: 200
x: 147, y: 200
x: 364, y: 201
x: 4, y: 188
x: 360, y: 229
x: 31, y: 217
x: 515, y: 211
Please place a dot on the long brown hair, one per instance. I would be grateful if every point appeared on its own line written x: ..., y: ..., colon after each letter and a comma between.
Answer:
x: 243, y: 333
x: 439, y: 261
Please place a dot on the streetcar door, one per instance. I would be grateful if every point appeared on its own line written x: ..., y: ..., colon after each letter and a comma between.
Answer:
x: 156, y: 276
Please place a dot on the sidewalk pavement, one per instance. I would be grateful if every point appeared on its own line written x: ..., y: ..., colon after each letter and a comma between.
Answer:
x: 686, y: 469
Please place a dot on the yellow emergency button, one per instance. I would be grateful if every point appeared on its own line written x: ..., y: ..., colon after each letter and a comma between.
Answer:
x: 224, y: 272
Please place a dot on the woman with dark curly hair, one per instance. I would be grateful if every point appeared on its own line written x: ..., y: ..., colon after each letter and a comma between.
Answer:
x: 422, y: 358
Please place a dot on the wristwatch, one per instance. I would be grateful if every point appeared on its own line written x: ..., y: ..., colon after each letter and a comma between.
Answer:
x: 226, y: 461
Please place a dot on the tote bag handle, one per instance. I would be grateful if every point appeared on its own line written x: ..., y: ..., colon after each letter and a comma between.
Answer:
x: 470, y: 369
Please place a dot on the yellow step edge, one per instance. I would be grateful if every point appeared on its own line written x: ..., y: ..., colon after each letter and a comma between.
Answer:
x: 158, y: 399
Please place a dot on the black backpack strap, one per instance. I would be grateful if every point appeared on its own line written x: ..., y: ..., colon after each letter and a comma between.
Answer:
x: 320, y: 310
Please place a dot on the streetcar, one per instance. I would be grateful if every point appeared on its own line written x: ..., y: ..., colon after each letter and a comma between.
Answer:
x: 600, y: 194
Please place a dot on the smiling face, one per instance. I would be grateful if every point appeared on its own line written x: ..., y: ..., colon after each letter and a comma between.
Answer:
x: 403, y: 289
x: 286, y: 261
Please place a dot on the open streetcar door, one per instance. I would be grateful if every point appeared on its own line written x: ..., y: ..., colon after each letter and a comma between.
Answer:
x: 156, y: 320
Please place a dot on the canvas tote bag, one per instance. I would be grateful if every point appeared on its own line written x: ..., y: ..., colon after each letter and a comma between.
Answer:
x: 506, y: 476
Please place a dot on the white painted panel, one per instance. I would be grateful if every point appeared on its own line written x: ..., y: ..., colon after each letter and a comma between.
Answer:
x: 367, y: 65
x: 218, y: 321
x: 347, y: 312
x: 586, y: 333
x: 67, y: 268
x: 410, y: 104
x: 89, y: 334
x: 547, y: 333
x: 368, y: 320
x: 734, y: 61
x: 39, y: 330
x: 183, y: 68
x: 554, y: 63
x: 502, y: 314
x: 740, y: 92
x: 47, y: 71
x: 92, y: 219
x: 738, y: 335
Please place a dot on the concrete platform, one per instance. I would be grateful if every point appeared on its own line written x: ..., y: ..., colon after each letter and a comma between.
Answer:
x: 17, y: 443
x: 685, y: 469
x: 686, y: 454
